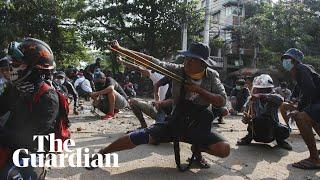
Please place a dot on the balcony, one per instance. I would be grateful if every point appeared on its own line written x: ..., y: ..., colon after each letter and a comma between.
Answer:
x: 231, y: 3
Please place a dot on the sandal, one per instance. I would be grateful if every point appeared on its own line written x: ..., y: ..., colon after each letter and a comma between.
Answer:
x: 198, y: 159
x: 200, y: 162
x: 306, y: 164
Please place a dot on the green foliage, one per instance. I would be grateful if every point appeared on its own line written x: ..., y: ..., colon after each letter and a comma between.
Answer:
x: 50, y: 21
x: 280, y: 27
x: 150, y: 26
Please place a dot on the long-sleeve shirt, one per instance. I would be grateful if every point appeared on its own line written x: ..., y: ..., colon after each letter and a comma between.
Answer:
x: 308, y: 82
x: 210, y: 82
x: 25, y: 121
x: 269, y: 105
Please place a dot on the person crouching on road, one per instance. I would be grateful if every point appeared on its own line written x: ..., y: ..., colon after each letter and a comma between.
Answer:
x: 192, y: 122
x: 110, y: 97
x: 307, y: 114
x: 262, y: 115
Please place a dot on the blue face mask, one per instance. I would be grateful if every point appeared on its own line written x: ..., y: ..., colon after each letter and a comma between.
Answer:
x: 287, y: 64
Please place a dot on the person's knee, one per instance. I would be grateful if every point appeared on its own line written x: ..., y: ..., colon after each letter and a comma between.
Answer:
x: 221, y: 149
x: 139, y: 137
x: 133, y: 102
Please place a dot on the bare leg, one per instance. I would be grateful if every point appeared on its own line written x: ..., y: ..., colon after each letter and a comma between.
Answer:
x: 137, y: 112
x: 120, y: 144
x: 305, y: 124
x: 123, y: 143
x: 112, y: 100
x: 220, y: 149
x: 284, y: 108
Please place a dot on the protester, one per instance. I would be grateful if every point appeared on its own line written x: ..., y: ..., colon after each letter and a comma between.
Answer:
x: 262, y: 115
x: 307, y: 114
x: 129, y: 88
x: 110, y: 97
x: 71, y: 73
x: 89, y: 71
x: 158, y: 109
x: 239, y: 96
x: 83, y: 86
x: 284, y: 91
x: 30, y: 59
x: 4, y: 80
x: 68, y: 89
x: 205, y: 89
x: 154, y: 77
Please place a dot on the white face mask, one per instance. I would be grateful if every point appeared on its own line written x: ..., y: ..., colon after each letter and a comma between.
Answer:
x: 16, y: 72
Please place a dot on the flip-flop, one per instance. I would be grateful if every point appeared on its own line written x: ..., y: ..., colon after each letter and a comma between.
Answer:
x: 306, y: 164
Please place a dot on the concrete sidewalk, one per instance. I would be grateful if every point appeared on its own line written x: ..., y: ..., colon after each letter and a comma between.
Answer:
x: 257, y: 161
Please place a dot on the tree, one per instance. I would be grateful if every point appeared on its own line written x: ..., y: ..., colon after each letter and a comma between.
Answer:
x: 280, y: 27
x: 145, y: 25
x: 50, y: 21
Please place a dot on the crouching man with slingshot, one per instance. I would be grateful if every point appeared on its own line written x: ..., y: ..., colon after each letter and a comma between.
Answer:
x: 195, y: 87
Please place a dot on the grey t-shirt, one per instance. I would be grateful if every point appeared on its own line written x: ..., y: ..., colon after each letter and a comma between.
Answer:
x: 210, y: 82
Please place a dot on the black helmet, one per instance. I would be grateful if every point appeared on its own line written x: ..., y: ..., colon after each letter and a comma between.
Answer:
x: 32, y: 52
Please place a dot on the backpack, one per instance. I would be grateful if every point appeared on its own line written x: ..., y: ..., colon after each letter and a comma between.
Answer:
x: 62, y: 123
x: 263, y: 128
x: 61, y: 126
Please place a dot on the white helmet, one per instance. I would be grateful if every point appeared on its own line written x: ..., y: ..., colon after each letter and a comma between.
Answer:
x: 263, y: 81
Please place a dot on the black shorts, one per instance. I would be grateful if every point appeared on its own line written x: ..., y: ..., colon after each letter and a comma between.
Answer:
x: 313, y: 111
x: 199, y: 134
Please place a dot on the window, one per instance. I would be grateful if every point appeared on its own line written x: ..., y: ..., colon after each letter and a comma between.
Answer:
x: 233, y: 10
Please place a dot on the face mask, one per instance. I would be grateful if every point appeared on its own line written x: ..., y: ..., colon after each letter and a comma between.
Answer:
x: 60, y: 81
x: 238, y: 87
x: 287, y: 64
x: 197, y: 76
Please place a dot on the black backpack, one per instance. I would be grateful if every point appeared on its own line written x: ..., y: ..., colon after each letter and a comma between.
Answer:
x: 263, y: 128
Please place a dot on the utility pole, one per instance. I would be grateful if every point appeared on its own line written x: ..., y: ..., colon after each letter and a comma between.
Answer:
x: 185, y: 33
x: 206, y: 35
x: 240, y: 34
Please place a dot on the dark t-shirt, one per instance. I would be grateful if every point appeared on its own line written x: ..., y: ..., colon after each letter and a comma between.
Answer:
x: 111, y: 82
x: 308, y: 81
x: 92, y: 67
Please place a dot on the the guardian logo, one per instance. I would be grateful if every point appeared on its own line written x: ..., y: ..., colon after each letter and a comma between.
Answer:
x: 59, y: 153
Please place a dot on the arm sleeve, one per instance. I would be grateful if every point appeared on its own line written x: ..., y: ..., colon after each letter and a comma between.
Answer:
x: 308, y: 86
x: 175, y: 68
x: 274, y: 99
x: 218, y: 88
x: 42, y: 122
x: 45, y: 113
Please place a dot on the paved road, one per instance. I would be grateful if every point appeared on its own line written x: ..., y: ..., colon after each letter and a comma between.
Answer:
x: 258, y: 161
